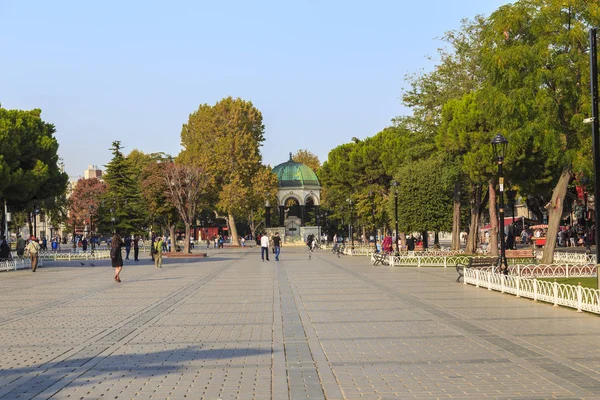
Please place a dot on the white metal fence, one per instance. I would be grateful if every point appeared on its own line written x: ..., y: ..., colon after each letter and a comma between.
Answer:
x: 570, y: 258
x: 550, y: 270
x: 578, y: 297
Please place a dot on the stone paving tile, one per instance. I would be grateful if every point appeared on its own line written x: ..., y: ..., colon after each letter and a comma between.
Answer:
x: 232, y: 327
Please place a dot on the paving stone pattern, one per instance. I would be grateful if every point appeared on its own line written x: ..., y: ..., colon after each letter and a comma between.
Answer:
x: 233, y: 327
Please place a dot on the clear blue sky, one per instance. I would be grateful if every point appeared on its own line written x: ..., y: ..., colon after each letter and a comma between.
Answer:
x: 321, y: 72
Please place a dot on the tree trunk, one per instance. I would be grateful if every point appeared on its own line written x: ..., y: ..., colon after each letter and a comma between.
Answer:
x: 436, y: 240
x: 171, y: 228
x: 402, y: 239
x: 425, y: 236
x: 494, y: 236
x: 233, y: 235
x: 186, y: 241
x: 555, y: 210
x: 456, y: 217
x: 471, y: 247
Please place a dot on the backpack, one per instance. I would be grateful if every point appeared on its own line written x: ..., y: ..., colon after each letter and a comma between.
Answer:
x: 114, y: 252
x: 154, y: 248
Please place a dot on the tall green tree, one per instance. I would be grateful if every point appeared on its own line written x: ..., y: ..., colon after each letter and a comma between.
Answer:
x: 425, y: 192
x: 534, y: 54
x: 457, y: 74
x: 122, y: 208
x: 224, y: 140
x: 30, y: 169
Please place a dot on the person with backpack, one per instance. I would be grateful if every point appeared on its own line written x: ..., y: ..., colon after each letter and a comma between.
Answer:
x: 158, y: 250
x: 33, y: 249
x: 115, y: 255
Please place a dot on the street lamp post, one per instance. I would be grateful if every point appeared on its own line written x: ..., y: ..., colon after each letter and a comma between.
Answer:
x: 373, y: 232
x: 36, y: 212
x: 267, y: 214
x: 350, y: 223
x: 499, y: 145
x: 596, y: 139
x: 74, y: 233
x: 86, y: 231
x: 91, y: 208
x: 395, y: 185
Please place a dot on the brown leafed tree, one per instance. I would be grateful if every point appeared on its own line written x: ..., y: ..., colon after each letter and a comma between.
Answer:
x: 307, y: 158
x: 84, y: 201
x: 186, y: 184
x: 156, y: 197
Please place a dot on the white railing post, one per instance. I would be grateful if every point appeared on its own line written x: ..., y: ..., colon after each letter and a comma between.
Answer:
x: 445, y: 261
x: 518, y: 279
x: 519, y: 270
x: 567, y: 270
x: 535, y: 291
x: 418, y: 261
x: 502, y: 278
x: 555, y: 290
x: 579, y: 297
x: 476, y: 278
x: 489, y: 280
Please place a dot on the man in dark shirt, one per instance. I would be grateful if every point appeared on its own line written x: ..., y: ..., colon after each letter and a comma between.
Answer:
x: 136, y: 248
x: 277, y: 245
x: 410, y: 243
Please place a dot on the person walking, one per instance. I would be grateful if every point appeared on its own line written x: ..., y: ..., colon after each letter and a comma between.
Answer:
x: 33, y: 249
x: 277, y: 245
x: 153, y: 239
x: 84, y: 244
x: 136, y: 248
x: 115, y: 255
x: 127, y: 246
x: 264, y: 247
x: 158, y: 250
x: 20, y: 246
x: 4, y: 249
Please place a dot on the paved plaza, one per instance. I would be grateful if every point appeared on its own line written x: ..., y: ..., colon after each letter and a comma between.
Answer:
x: 232, y: 327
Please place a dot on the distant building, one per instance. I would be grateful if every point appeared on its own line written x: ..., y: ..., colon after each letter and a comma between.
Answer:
x: 92, y: 172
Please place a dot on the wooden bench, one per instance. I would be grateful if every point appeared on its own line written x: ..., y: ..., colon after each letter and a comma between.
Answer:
x: 524, y: 254
x: 381, y: 258
x: 475, y: 262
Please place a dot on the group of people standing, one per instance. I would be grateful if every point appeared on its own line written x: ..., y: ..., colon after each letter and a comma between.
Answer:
x: 30, y: 247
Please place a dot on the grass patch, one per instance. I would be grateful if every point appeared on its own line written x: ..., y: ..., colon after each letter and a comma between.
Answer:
x: 585, y: 282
